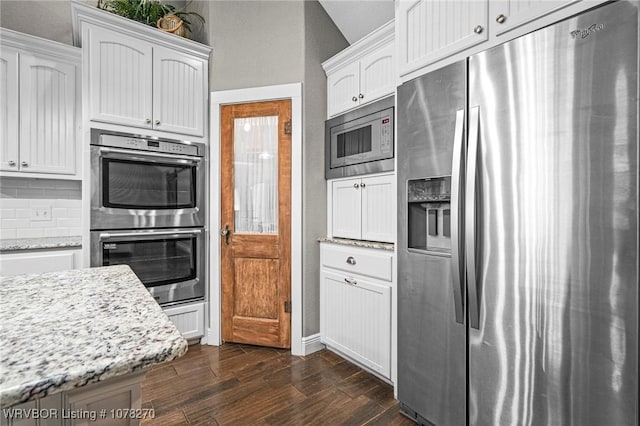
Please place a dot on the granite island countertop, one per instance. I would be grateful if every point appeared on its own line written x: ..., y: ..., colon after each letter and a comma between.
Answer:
x: 18, y: 244
x: 64, y: 330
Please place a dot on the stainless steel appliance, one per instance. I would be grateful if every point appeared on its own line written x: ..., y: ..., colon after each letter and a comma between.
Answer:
x: 169, y: 262
x: 137, y: 182
x: 531, y: 316
x: 360, y: 141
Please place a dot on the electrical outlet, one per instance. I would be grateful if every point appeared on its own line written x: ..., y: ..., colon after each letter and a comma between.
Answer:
x: 41, y: 213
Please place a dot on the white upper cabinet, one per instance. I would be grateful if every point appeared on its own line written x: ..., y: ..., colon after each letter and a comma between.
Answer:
x: 510, y: 14
x: 9, y: 109
x: 120, y: 83
x: 39, y: 107
x: 47, y: 115
x: 141, y: 77
x: 432, y: 30
x: 362, y: 73
x: 178, y: 94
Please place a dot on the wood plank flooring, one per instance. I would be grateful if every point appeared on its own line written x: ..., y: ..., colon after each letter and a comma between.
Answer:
x: 247, y: 385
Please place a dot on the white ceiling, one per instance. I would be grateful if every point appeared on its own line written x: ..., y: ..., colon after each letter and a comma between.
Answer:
x: 355, y: 19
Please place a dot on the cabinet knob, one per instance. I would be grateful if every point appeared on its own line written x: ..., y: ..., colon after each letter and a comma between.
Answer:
x: 12, y: 163
x: 362, y: 185
x: 478, y: 29
x: 356, y: 185
x: 361, y: 96
x: 351, y: 260
x: 148, y: 121
x: 354, y: 99
x: 24, y: 164
x: 501, y: 18
x: 157, y: 122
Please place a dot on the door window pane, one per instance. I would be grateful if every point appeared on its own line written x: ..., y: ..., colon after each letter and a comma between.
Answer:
x: 255, y: 152
x: 135, y: 184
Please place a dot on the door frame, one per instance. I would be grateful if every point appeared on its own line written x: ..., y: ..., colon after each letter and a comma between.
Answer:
x: 293, y: 92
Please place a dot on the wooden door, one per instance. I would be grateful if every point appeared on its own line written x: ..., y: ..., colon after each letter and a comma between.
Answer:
x: 256, y: 210
x: 179, y: 92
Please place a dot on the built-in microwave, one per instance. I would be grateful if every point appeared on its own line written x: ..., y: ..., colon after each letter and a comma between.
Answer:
x: 360, y: 141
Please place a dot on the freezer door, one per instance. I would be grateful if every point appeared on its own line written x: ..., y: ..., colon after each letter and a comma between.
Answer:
x: 556, y: 228
x: 431, y: 344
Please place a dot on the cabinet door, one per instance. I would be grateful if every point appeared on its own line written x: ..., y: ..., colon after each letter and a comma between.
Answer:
x: 189, y: 319
x: 47, y: 115
x: 377, y: 74
x: 346, y: 208
x: 38, y: 262
x: 432, y: 30
x: 8, y: 108
x: 378, y: 202
x: 510, y: 14
x: 120, y: 79
x: 179, y: 93
x: 355, y: 319
x: 343, y: 86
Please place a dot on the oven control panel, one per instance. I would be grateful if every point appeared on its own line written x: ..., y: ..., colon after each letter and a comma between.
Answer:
x: 155, y: 145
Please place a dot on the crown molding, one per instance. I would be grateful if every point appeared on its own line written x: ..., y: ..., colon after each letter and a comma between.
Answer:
x: 41, y: 46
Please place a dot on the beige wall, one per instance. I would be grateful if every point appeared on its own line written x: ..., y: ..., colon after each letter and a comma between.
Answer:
x: 46, y: 19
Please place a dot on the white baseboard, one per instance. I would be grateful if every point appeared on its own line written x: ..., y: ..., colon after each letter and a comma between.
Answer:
x: 311, y: 344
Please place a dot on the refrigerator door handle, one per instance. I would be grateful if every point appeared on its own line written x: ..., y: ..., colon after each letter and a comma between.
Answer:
x: 457, y: 278
x: 470, y: 219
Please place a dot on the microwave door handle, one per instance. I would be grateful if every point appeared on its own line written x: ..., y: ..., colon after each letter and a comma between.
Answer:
x: 149, y: 154
x: 108, y: 235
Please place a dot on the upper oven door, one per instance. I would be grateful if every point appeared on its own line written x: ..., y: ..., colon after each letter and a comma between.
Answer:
x: 137, y: 189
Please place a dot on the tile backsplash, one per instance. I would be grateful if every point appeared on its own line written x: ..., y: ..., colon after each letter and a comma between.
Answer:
x: 36, y: 208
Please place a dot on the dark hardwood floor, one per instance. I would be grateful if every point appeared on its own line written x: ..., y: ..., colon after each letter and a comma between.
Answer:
x: 247, y: 385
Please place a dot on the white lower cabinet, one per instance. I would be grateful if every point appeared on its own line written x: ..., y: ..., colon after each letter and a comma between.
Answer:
x: 356, y: 309
x: 189, y: 319
x: 35, y: 262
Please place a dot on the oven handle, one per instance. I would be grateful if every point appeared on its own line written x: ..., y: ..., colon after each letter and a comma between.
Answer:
x: 150, y: 154
x: 107, y: 235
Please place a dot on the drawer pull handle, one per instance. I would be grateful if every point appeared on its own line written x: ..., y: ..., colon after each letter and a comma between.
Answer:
x: 350, y: 281
x: 351, y: 260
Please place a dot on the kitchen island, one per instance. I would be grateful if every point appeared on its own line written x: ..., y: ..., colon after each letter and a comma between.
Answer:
x: 79, y: 342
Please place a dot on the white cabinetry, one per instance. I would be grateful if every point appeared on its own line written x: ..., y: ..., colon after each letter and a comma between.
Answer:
x: 356, y: 305
x: 189, y: 319
x: 40, y: 261
x: 38, y: 107
x: 432, y: 30
x: 362, y: 208
x: 362, y: 73
x: 141, y: 77
x: 510, y: 14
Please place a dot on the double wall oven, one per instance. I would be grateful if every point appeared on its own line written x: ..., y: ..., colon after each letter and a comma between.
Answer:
x: 147, y: 211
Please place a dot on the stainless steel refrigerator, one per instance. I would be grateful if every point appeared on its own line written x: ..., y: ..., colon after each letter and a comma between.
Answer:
x: 518, y: 230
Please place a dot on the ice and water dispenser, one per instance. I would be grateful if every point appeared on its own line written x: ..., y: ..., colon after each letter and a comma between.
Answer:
x: 429, y: 201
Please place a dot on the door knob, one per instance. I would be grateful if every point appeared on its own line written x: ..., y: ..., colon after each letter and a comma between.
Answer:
x: 157, y: 122
x: 225, y: 233
x: 24, y: 164
x: 361, y: 96
x: 501, y: 18
x: 147, y: 121
x: 12, y: 163
x: 356, y: 185
x: 362, y: 185
x: 354, y: 99
x: 478, y: 29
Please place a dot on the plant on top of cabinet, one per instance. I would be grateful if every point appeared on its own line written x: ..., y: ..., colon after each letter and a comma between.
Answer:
x: 154, y: 13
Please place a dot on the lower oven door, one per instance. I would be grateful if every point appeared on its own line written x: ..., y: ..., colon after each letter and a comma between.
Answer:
x: 169, y: 262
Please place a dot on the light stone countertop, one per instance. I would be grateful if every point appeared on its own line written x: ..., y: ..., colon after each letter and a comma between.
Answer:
x: 63, y: 330
x: 39, y: 243
x: 358, y: 243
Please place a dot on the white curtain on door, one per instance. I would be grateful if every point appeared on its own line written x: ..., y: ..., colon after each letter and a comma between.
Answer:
x: 255, y: 155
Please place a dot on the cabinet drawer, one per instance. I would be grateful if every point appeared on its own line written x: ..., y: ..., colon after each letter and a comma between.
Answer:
x: 369, y: 262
